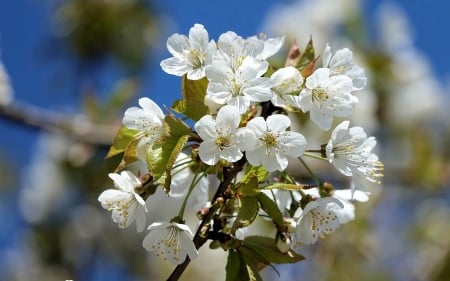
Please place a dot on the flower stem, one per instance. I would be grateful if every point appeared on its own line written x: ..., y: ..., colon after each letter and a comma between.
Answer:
x: 318, y: 181
x: 194, y: 182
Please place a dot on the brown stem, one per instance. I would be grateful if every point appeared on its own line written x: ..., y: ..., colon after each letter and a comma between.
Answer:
x: 228, y: 174
x: 76, y: 127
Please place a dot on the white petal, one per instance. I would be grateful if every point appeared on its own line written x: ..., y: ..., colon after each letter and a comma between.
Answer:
x: 188, y: 246
x: 321, y: 119
x: 293, y: 144
x: 112, y: 195
x: 150, y: 106
x: 228, y: 118
x: 271, y: 47
x: 278, y: 123
x: 176, y: 44
x: 121, y: 182
x: 199, y: 35
x: 242, y: 103
x: 209, y: 152
x: 318, y: 77
x: 206, y: 128
x: 140, y: 218
x: 175, y: 66
x: 258, y: 126
x: 196, y: 74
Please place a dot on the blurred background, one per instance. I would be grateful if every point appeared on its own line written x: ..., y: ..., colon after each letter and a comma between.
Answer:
x: 69, y: 69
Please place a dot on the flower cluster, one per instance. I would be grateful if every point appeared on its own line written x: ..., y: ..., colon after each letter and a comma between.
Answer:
x: 239, y: 148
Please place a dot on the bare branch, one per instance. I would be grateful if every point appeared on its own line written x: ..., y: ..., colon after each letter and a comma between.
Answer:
x: 78, y: 127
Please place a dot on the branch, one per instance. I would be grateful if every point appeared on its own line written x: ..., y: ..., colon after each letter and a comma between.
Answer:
x: 229, y: 173
x: 77, y: 127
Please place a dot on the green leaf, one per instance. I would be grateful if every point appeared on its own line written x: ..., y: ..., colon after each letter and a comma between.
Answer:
x: 248, y: 210
x: 249, y: 188
x: 192, y: 105
x: 271, y: 208
x: 161, y: 157
x: 253, y: 263
x: 266, y: 248
x: 122, y: 140
x: 235, y: 268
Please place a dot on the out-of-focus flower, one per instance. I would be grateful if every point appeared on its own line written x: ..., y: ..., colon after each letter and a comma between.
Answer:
x: 6, y: 92
x: 126, y: 205
x: 171, y: 240
x: 182, y: 177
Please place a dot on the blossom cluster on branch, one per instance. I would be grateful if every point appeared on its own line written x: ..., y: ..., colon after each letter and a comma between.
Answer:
x: 239, y: 148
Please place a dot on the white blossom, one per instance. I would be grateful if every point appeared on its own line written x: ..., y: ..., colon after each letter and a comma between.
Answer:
x: 190, y: 55
x: 346, y: 212
x: 317, y: 219
x: 326, y: 96
x: 350, y: 152
x: 286, y: 87
x: 148, y: 120
x: 233, y: 49
x: 273, y: 143
x: 341, y: 64
x: 126, y: 205
x: 239, y: 88
x: 173, y: 241
x: 222, y: 139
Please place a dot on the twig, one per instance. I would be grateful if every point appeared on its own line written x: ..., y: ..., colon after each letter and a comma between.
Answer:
x: 77, y: 127
x: 228, y: 174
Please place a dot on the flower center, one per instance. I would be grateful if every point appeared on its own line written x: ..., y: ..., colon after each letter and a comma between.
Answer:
x: 270, y: 141
x: 196, y: 58
x: 235, y: 87
x: 223, y: 142
x: 319, y: 94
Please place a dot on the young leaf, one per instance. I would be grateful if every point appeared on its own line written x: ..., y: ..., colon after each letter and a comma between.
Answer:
x: 266, y: 247
x: 293, y: 56
x: 250, y: 187
x: 271, y: 208
x: 192, y: 105
x: 162, y: 156
x: 123, y: 138
x: 248, y: 210
x: 259, y: 172
x: 307, y: 60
